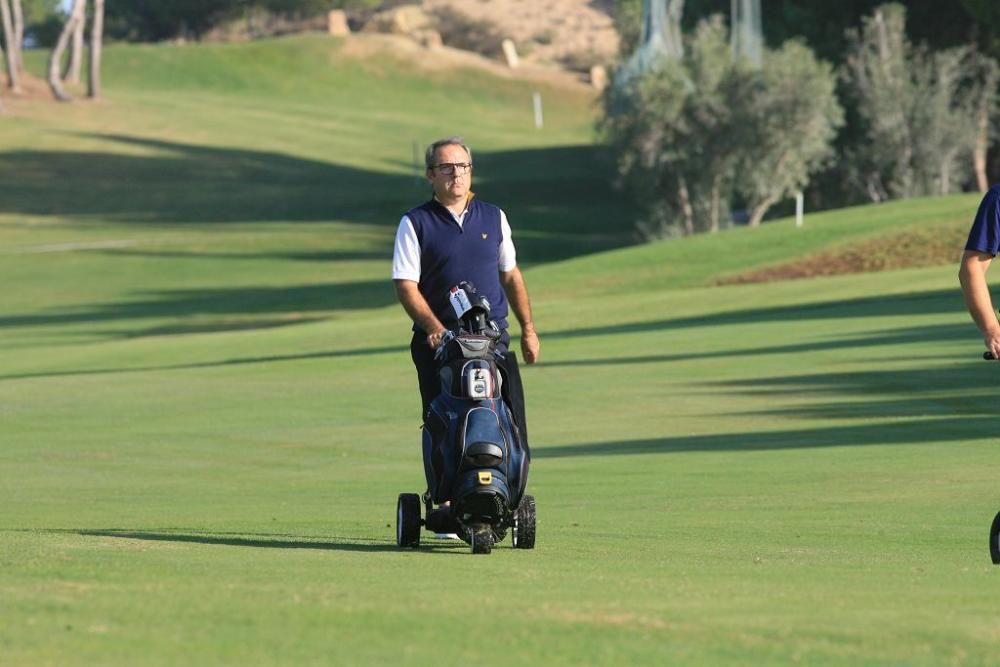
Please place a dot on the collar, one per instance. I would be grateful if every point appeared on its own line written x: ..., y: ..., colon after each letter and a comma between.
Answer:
x: 468, y: 202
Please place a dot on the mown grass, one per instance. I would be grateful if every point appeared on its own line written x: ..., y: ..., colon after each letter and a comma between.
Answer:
x: 207, y: 407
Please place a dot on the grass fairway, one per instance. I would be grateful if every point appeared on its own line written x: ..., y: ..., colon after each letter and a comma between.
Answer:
x: 207, y: 407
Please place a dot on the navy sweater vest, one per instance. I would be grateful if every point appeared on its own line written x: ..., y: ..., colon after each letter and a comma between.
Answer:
x: 450, y: 254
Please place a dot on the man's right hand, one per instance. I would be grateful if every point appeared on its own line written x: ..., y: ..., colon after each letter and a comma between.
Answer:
x: 434, y: 339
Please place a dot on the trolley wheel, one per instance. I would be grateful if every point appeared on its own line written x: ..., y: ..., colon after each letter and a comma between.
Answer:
x: 481, y: 541
x: 523, y: 533
x: 408, y: 520
x: 995, y: 540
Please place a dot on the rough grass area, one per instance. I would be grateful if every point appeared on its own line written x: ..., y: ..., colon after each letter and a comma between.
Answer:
x: 914, y: 248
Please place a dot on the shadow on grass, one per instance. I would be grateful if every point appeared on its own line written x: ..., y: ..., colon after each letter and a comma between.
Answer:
x: 187, y: 183
x: 930, y: 302
x: 239, y: 361
x: 234, y: 301
x: 384, y: 254
x: 917, y: 431
x: 890, y: 337
x: 942, y: 403
x: 559, y: 199
x: 270, y: 541
x: 258, y: 541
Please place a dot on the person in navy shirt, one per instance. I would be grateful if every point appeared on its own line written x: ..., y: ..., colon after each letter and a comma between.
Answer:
x: 451, y: 238
x: 980, y: 249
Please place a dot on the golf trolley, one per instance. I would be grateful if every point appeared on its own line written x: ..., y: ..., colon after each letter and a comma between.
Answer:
x: 475, y: 460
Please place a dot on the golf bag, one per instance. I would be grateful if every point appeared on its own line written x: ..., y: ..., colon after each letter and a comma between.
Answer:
x: 474, y: 455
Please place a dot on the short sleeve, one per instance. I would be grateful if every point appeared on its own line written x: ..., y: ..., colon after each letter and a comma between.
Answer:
x: 985, y: 233
x: 406, y: 252
x: 508, y: 255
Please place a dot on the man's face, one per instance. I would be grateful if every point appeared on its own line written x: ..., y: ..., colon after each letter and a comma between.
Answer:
x: 454, y: 185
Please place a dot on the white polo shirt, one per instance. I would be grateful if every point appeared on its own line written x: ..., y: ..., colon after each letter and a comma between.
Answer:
x: 406, y: 253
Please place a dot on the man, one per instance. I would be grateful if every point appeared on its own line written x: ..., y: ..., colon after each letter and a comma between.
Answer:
x: 451, y: 238
x: 981, y: 248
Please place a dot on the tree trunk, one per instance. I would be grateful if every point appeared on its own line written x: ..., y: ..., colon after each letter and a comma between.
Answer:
x: 686, y: 209
x: 760, y: 210
x: 979, y: 148
x: 96, y: 43
x: 18, y: 32
x: 55, y: 58
x: 75, y: 65
x: 715, y: 205
x: 13, y: 71
x: 945, y: 176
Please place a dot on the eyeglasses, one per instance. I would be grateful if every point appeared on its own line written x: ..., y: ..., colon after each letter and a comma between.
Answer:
x: 449, y: 168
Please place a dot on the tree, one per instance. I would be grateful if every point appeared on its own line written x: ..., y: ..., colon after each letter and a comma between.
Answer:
x: 74, y: 66
x: 792, y: 119
x: 671, y: 134
x: 18, y: 42
x: 76, y: 16
x: 698, y: 132
x: 13, y: 52
x: 981, y: 93
x: 923, y: 112
x: 96, y: 47
x: 2, y: 55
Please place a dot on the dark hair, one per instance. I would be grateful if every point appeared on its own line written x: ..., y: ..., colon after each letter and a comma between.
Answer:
x: 450, y: 141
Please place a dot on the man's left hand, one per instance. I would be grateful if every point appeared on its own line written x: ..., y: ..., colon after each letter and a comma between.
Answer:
x: 530, y: 347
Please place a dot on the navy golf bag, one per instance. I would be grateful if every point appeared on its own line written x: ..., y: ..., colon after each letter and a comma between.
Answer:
x: 473, y: 454
x: 475, y: 458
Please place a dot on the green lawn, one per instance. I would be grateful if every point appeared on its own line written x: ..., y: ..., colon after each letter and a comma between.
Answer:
x: 207, y: 407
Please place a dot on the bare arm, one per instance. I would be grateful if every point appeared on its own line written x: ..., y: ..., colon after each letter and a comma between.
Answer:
x: 520, y: 304
x: 972, y: 275
x: 419, y: 311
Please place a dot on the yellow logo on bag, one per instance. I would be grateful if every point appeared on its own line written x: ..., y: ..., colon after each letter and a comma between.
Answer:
x: 485, y: 478
x: 485, y: 235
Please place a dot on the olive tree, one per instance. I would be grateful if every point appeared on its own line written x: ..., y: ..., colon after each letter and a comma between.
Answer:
x: 10, y: 34
x: 791, y: 120
x: 674, y: 132
x: 924, y: 113
x: 77, y: 17
x: 702, y: 132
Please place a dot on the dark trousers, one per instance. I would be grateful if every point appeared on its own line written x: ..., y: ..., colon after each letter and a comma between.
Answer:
x: 430, y: 383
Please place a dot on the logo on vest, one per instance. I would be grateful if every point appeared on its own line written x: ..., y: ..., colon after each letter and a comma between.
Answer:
x: 485, y: 235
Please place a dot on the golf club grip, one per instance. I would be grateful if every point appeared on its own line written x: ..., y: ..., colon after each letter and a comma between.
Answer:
x: 988, y: 356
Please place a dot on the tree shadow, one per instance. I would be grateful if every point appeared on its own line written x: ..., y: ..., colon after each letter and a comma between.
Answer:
x: 222, y: 302
x: 239, y: 361
x: 188, y: 183
x: 918, y: 431
x: 262, y: 541
x: 896, y: 408
x: 270, y: 541
x: 894, y: 337
x: 297, y: 256
x: 957, y: 380
x: 559, y: 199
x: 928, y: 302
x: 946, y: 402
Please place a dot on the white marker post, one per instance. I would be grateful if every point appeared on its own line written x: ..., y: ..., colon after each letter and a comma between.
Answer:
x: 538, y: 110
x: 799, y: 206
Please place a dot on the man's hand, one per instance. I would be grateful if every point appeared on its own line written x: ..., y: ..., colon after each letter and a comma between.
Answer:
x: 992, y: 342
x: 434, y: 340
x: 530, y: 347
